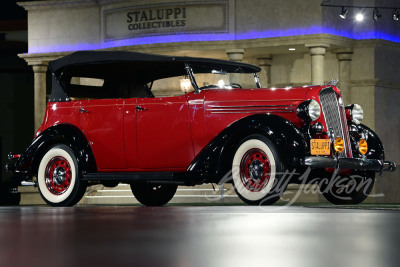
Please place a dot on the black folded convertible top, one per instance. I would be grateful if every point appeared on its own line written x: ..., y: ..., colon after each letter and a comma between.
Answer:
x: 95, y: 57
x: 143, y: 68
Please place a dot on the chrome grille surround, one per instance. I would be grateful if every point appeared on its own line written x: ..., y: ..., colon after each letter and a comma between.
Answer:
x: 335, y: 118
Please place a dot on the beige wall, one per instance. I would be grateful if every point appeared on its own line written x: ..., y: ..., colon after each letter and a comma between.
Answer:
x: 291, y: 69
x: 59, y: 29
x: 387, y: 116
x: 260, y: 15
x: 362, y: 82
x: 387, y: 103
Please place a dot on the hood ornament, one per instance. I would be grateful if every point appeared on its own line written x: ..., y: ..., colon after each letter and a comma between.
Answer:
x: 332, y: 82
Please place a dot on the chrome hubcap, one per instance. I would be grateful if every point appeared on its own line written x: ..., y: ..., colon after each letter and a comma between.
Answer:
x: 59, y: 175
x: 256, y: 169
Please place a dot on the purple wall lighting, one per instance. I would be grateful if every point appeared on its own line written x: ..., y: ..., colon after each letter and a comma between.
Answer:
x: 373, y: 34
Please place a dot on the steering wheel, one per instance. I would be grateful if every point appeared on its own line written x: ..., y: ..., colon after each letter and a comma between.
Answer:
x: 209, y: 86
x: 233, y: 85
x: 236, y: 85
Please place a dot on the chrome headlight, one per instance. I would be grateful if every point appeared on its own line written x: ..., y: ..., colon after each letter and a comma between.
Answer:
x: 309, y: 110
x: 355, y: 113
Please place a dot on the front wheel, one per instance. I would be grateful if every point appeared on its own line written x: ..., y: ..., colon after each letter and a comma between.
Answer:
x: 58, y: 177
x: 153, y: 194
x: 349, y: 190
x: 258, y: 172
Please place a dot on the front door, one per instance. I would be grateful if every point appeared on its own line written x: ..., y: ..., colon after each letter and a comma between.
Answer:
x: 163, y: 133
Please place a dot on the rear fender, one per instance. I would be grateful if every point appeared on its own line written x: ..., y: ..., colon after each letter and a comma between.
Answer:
x: 67, y: 134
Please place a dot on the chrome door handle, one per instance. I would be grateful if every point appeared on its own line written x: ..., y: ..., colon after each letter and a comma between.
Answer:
x: 139, y: 108
x: 82, y: 110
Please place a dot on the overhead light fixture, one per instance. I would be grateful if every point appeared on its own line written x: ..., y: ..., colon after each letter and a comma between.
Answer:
x: 396, y: 15
x: 376, y: 15
x: 359, y: 16
x: 292, y: 49
x: 344, y: 13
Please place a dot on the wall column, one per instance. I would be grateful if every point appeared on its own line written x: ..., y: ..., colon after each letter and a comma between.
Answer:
x: 317, y: 52
x: 345, y: 56
x: 237, y: 56
x: 40, y: 93
x: 265, y: 75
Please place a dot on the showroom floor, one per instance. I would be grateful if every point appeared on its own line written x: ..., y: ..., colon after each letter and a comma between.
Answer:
x: 198, y: 236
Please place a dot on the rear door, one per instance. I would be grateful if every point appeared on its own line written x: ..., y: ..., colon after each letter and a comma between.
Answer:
x: 102, y: 123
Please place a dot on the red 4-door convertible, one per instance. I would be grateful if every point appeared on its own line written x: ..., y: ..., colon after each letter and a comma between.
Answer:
x: 157, y: 122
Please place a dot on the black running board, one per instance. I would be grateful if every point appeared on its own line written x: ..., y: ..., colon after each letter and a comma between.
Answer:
x: 150, y: 177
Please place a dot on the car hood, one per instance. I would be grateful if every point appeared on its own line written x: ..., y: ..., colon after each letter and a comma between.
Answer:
x: 292, y: 94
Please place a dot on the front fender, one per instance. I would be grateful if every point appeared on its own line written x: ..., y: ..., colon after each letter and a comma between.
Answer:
x: 375, y: 146
x: 215, y: 160
x: 26, y: 166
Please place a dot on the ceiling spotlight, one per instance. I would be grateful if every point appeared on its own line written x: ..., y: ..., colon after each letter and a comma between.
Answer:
x: 344, y: 13
x: 359, y: 17
x: 376, y: 15
x: 396, y: 15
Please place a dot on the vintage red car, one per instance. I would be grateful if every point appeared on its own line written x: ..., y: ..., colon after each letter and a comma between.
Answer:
x: 117, y: 117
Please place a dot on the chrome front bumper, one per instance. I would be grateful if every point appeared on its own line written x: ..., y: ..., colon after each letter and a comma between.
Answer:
x: 349, y: 163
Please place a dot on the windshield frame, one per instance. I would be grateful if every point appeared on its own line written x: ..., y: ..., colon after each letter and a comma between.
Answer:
x: 212, y: 70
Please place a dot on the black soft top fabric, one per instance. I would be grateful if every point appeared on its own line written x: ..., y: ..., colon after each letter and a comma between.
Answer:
x: 139, y: 67
x: 94, y: 57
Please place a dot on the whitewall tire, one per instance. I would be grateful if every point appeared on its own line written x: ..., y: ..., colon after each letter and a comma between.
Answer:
x: 256, y: 171
x: 58, y: 177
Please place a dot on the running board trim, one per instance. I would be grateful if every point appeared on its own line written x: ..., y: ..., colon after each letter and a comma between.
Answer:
x: 153, y: 177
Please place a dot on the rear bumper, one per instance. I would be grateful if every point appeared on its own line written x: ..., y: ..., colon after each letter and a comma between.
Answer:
x: 348, y: 163
x: 18, y: 174
x: 12, y: 160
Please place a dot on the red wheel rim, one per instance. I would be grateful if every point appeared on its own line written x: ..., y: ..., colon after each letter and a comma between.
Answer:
x: 255, y: 170
x: 58, y: 175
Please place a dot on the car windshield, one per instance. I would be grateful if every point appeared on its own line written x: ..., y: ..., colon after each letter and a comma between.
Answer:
x: 224, y: 78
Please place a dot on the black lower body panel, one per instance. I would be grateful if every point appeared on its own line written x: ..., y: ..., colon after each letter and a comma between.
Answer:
x: 140, y: 177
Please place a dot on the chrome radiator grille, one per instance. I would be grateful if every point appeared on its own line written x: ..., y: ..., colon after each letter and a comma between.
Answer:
x: 335, y: 118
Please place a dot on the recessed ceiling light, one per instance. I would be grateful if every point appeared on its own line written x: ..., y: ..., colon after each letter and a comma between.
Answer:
x: 292, y: 49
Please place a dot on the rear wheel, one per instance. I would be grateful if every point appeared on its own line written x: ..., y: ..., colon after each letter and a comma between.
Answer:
x: 153, y: 194
x: 349, y: 190
x: 257, y: 171
x: 58, y: 177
